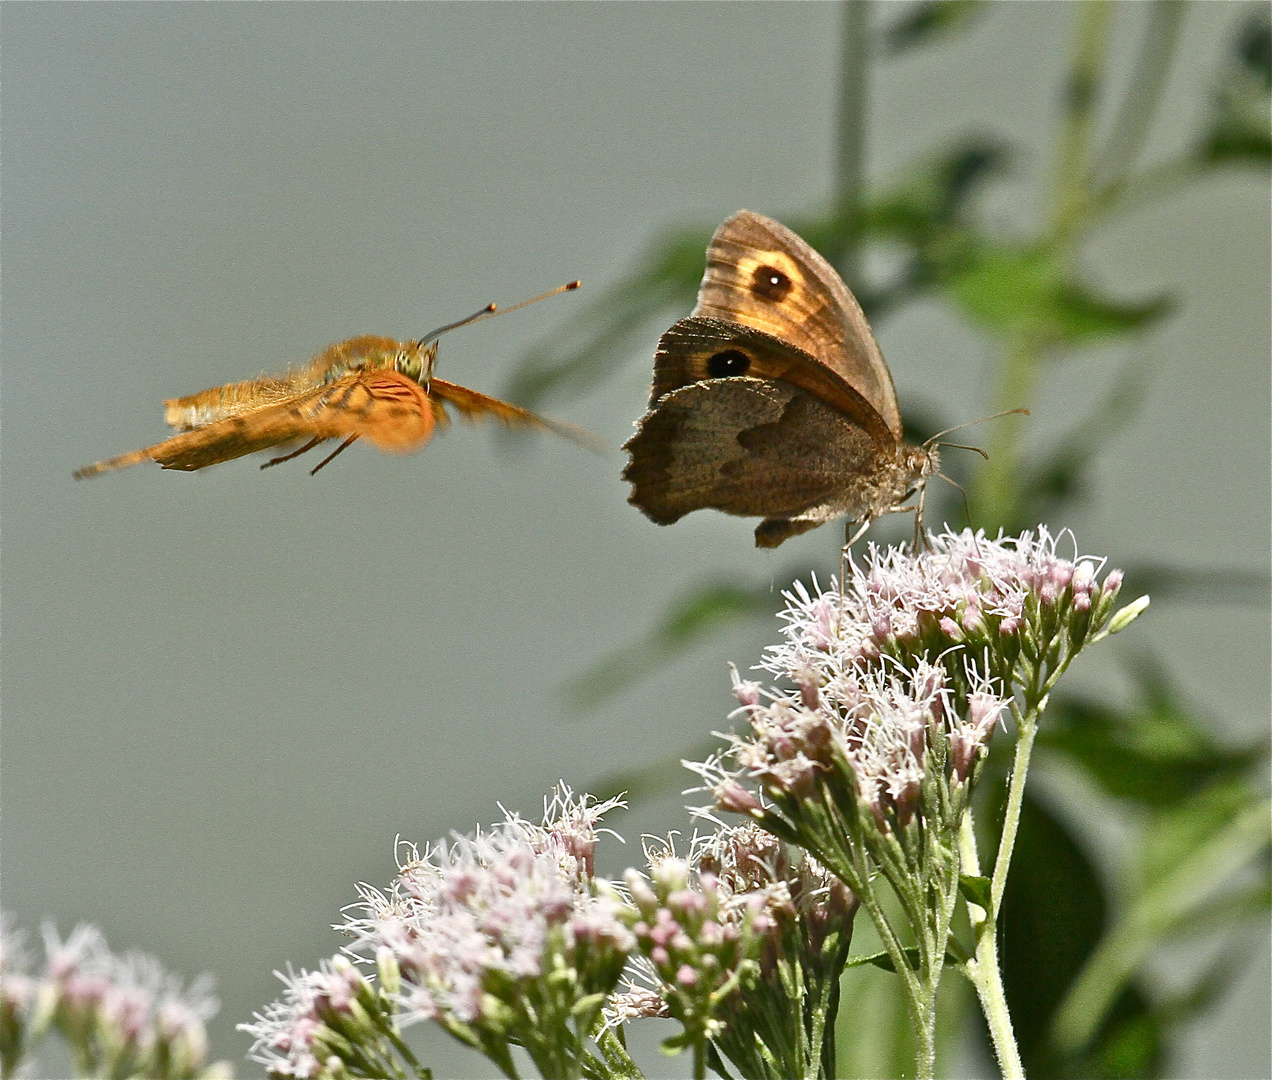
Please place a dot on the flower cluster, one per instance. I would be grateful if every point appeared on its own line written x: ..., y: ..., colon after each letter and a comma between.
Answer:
x: 119, y: 1015
x: 866, y: 753
x: 701, y: 941
x: 795, y: 998
x: 332, y: 1022
x: 1013, y: 596
x: 502, y: 938
x: 898, y: 682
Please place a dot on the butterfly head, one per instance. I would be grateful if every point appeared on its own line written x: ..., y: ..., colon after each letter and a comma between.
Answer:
x: 415, y: 360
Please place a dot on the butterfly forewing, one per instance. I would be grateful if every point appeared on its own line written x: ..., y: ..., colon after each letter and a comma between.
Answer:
x: 761, y: 274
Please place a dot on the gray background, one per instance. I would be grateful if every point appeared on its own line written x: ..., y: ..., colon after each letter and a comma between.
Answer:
x: 225, y: 694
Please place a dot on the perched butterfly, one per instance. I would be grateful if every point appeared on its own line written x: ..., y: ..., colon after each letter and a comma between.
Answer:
x: 372, y: 388
x: 772, y: 399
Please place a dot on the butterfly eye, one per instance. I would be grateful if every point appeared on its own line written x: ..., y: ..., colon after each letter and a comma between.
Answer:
x: 770, y: 283
x: 729, y: 362
x: 408, y: 363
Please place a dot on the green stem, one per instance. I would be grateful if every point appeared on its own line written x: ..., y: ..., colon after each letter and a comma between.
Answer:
x: 1026, y: 730
x: 1072, y: 180
x: 1143, y: 94
x: 915, y: 990
x: 850, y: 134
x: 983, y: 969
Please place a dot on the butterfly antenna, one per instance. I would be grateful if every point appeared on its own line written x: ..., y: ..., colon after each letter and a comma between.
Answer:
x: 485, y: 312
x: 973, y: 423
x: 961, y: 446
x: 491, y: 310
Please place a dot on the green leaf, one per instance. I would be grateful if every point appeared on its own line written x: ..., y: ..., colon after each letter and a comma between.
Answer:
x: 929, y: 21
x: 702, y: 612
x: 1166, y: 901
x: 1061, y: 475
x: 1018, y: 292
x: 1243, y: 102
x: 1156, y: 754
x: 976, y: 890
x: 1052, y: 917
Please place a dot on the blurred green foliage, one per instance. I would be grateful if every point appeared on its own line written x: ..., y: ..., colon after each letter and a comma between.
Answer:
x: 1073, y: 941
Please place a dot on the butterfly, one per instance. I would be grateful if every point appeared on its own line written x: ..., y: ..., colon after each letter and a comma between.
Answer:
x: 772, y: 398
x: 372, y: 388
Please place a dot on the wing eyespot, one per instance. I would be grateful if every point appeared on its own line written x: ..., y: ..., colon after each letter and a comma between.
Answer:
x: 728, y: 363
x: 770, y: 283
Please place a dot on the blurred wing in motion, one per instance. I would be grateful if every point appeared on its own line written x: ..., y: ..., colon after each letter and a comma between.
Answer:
x: 389, y: 410
x: 474, y: 406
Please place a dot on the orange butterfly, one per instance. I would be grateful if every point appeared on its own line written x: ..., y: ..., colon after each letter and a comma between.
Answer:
x: 369, y: 387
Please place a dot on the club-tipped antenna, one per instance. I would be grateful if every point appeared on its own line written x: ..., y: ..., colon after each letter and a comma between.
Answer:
x: 488, y: 310
x: 491, y: 310
x: 972, y: 423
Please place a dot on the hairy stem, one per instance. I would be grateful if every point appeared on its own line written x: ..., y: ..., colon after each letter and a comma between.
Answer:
x: 983, y: 970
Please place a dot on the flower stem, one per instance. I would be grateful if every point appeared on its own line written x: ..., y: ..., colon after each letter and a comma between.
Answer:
x: 983, y: 970
x: 1026, y: 730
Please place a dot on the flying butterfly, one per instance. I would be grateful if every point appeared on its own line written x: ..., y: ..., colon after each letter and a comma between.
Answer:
x: 372, y: 388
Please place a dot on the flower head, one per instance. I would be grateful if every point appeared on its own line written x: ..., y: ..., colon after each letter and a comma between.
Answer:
x: 124, y: 1014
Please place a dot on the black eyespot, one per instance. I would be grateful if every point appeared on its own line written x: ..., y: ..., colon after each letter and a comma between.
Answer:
x: 770, y: 283
x: 729, y: 362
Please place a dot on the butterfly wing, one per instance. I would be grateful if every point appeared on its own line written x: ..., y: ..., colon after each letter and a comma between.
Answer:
x: 762, y: 275
x: 699, y: 348
x: 475, y: 406
x: 751, y: 447
x: 384, y: 407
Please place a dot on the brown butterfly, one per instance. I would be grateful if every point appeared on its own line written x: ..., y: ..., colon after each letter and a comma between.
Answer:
x: 772, y: 398
x: 372, y: 388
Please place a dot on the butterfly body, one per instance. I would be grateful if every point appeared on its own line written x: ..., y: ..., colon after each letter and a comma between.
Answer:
x: 368, y: 387
x: 772, y: 399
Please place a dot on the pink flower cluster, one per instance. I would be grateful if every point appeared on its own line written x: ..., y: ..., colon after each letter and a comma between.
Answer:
x: 124, y: 1015
x: 466, y: 919
x: 697, y: 936
x: 964, y: 589
x: 294, y: 1036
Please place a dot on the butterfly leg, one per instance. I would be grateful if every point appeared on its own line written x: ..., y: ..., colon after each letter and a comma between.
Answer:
x: 295, y: 453
x: 850, y: 538
x: 334, y: 454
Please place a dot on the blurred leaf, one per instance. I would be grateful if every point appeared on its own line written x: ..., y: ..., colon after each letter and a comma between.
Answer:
x: 1061, y: 476
x: 1207, y: 585
x: 1180, y: 832
x: 1052, y: 916
x: 582, y: 354
x: 1157, y: 754
x: 586, y: 351
x: 929, y: 21
x: 1243, y: 101
x: 1131, y: 1044
x: 1211, y: 845
x: 658, y: 777
x: 1018, y: 292
x: 872, y: 1031
x: 935, y: 193
x: 703, y: 611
